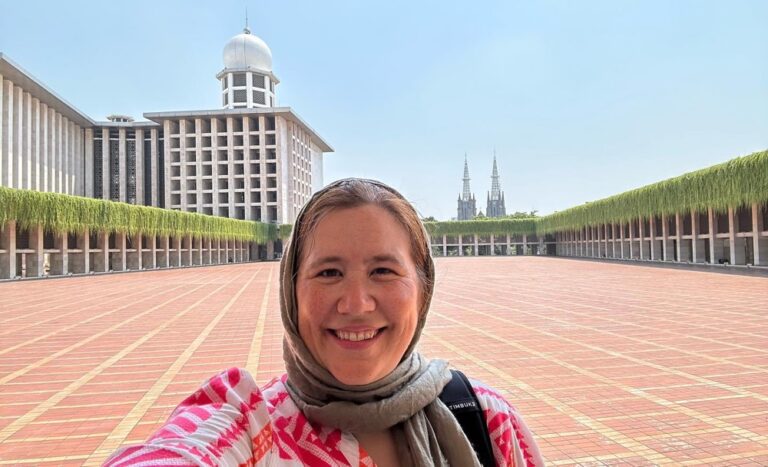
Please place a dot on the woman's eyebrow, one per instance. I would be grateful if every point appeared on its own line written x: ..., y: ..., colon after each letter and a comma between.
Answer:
x: 386, y: 258
x: 324, y: 260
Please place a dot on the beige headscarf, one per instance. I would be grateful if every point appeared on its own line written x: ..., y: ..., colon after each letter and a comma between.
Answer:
x: 405, y: 401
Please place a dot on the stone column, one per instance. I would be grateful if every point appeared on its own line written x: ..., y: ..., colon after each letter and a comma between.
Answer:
x: 683, y: 249
x: 712, y: 235
x: 574, y: 243
x: 133, y: 259
x: 119, y: 260
x: 760, y: 248
x: 149, y: 252
x: 8, y: 245
x: 597, y: 242
x: 163, y: 252
x: 698, y: 247
x: 664, y: 238
x: 461, y: 245
x: 477, y: 250
x: 445, y: 245
x: 271, y: 250
x: 493, y: 245
x: 579, y: 243
x: 198, y: 259
x: 641, y: 228
x: 732, y: 236
x: 680, y: 241
x: 509, y: 245
x: 189, y: 253
x: 613, y: 240
x: 652, y: 227
x: 101, y: 255
x: 525, y: 244
x: 60, y: 261
x: 79, y: 263
x: 621, y: 235
x: 35, y: 261
x: 176, y: 254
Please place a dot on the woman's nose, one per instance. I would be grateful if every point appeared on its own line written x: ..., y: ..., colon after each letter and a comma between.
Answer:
x: 356, y: 297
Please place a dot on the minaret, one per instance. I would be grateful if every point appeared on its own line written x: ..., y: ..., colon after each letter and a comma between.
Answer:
x: 495, y: 205
x: 247, y: 80
x: 466, y: 208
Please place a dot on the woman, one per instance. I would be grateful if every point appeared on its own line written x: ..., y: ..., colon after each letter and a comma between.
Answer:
x: 356, y: 283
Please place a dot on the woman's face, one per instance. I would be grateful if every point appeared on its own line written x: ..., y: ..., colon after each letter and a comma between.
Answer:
x: 358, y: 293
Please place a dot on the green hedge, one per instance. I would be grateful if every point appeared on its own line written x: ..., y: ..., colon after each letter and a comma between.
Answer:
x: 735, y: 183
x: 65, y: 213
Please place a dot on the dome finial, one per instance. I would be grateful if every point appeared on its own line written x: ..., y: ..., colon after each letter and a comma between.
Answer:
x: 246, y: 29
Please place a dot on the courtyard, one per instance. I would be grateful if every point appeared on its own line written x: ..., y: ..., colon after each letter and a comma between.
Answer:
x: 609, y: 363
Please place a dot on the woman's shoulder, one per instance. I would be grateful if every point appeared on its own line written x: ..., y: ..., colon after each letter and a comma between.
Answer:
x: 228, y: 420
x: 512, y: 439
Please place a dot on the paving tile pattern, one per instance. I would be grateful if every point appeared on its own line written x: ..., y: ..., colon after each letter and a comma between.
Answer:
x: 610, y: 364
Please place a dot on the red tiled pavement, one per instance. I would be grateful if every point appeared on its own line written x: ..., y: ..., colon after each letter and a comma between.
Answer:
x: 610, y: 364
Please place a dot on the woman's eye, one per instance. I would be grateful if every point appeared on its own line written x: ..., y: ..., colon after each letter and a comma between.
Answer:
x: 382, y: 271
x: 329, y: 273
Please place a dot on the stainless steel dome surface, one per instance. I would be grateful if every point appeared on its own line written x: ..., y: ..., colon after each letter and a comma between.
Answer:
x: 246, y: 50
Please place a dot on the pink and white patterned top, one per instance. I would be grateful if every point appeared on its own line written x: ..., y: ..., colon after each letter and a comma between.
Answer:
x: 231, y: 421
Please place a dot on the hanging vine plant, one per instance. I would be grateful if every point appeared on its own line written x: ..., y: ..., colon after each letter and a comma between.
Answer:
x: 285, y: 231
x: 483, y: 227
x: 65, y: 213
x: 738, y: 182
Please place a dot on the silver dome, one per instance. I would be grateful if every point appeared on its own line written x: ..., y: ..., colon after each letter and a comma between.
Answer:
x: 246, y: 50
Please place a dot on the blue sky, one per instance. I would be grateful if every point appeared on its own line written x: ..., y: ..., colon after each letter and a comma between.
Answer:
x: 581, y: 100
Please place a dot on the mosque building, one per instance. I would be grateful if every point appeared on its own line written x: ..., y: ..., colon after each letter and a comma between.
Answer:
x: 249, y: 159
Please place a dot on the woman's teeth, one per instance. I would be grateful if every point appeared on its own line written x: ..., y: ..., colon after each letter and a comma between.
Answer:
x: 356, y: 336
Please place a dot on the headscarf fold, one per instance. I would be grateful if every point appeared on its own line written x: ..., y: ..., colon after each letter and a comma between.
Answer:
x: 405, y: 401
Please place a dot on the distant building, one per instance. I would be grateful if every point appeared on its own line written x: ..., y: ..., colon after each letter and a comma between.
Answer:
x: 467, y: 207
x: 495, y: 205
x: 247, y: 160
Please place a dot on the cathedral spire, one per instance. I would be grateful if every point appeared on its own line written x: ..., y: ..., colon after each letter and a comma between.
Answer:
x: 495, y: 206
x: 495, y: 187
x: 465, y: 194
x: 466, y: 206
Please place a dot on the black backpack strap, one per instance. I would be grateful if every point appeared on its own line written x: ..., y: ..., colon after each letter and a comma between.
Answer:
x: 461, y: 399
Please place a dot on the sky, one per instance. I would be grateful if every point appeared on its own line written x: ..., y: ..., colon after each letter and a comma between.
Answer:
x: 580, y: 100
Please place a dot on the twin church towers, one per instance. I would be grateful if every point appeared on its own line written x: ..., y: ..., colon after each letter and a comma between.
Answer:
x: 467, y: 208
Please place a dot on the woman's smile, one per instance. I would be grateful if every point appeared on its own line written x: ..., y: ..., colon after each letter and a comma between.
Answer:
x: 356, y: 340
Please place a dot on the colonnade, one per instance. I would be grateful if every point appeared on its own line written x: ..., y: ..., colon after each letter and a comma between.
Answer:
x: 736, y: 237
x: 27, y: 253
x: 489, y: 245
